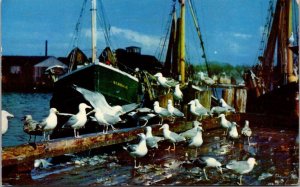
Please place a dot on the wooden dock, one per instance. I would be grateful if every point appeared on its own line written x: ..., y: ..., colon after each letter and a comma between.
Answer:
x: 21, y: 158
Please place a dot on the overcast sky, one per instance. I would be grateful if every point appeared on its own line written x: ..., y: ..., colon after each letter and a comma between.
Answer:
x: 231, y: 29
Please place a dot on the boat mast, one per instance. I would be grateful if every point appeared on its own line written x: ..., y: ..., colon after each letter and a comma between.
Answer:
x: 182, y: 42
x: 94, y: 34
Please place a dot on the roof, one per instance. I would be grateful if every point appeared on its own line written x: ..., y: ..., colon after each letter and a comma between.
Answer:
x: 50, y: 62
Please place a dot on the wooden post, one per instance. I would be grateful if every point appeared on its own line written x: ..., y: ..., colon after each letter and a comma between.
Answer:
x: 163, y: 100
x: 228, y: 96
x: 204, y: 98
x: 240, y: 100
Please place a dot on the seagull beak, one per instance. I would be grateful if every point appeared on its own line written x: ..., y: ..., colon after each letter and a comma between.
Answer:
x: 255, y: 163
x: 160, y: 128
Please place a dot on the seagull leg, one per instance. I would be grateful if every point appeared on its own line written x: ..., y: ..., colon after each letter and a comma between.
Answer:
x: 29, y: 138
x: 168, y: 148
x: 74, y: 133
x: 173, y: 147
x: 205, y: 174
x: 196, y: 152
x: 135, y: 167
x: 113, y: 128
x: 249, y: 140
x: 145, y: 123
x: 240, y: 183
x: 34, y: 138
x: 44, y: 136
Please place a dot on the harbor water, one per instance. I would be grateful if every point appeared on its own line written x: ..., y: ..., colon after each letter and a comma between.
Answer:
x: 276, y: 151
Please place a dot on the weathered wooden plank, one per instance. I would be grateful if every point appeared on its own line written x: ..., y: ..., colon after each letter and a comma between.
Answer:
x: 240, y: 100
x: 228, y: 96
x: 29, y: 152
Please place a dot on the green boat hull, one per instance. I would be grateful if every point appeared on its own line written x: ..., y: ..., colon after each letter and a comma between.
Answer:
x: 117, y: 86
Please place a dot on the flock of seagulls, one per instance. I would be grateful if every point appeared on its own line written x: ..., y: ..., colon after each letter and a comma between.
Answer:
x: 107, y: 115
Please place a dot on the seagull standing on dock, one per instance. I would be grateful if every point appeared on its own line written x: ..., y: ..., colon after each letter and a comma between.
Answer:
x: 4, y: 120
x: 174, y: 111
x: 233, y: 132
x: 205, y: 162
x: 197, y: 140
x: 138, y: 150
x: 178, y: 95
x: 171, y: 136
x: 191, y: 132
x: 151, y: 140
x: 224, y: 123
x: 165, y: 82
x: 225, y: 105
x: 206, y: 80
x: 200, y: 111
x: 49, y: 123
x: 246, y: 131
x: 241, y: 167
x: 162, y: 112
x: 199, y: 106
x: 106, y: 119
x: 218, y: 110
x: 78, y: 120
x: 31, y: 127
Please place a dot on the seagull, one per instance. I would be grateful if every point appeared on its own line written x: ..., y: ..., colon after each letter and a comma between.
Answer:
x: 191, y: 132
x: 199, y: 106
x: 225, y: 105
x: 162, y: 112
x: 138, y: 150
x: 174, y: 111
x: 218, y: 110
x: 97, y: 100
x: 151, y: 140
x: 233, y: 133
x: 165, y: 82
x: 178, y: 95
x: 78, y: 120
x: 291, y: 38
x: 206, y: 80
x: 246, y: 131
x: 141, y: 115
x: 205, y: 162
x: 241, y: 167
x: 171, y: 136
x: 48, y: 123
x: 224, y: 123
x: 31, y: 127
x: 197, y: 140
x: 197, y: 111
x: 106, y: 119
x: 4, y: 120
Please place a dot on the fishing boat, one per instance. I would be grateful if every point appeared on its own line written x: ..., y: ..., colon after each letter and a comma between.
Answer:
x: 116, y: 85
x: 273, y: 81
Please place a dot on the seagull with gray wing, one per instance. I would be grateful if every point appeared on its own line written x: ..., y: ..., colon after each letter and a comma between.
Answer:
x: 49, y: 123
x: 171, y: 136
x: 78, y: 120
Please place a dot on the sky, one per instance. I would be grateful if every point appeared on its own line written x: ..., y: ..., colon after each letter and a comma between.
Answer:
x: 231, y: 29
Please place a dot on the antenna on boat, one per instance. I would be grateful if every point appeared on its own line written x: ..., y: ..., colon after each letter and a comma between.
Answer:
x: 94, y: 34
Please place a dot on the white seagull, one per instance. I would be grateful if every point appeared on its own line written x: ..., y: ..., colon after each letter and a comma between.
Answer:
x: 171, y: 136
x: 165, y: 82
x: 197, y: 140
x: 162, y: 112
x: 138, y: 150
x: 225, y: 105
x: 206, y: 80
x: 106, y: 119
x: 241, y: 167
x: 151, y: 140
x: 78, y: 120
x: 205, y: 162
x: 174, y: 111
x: 197, y: 111
x: 4, y: 120
x: 178, y: 95
x: 218, y: 110
x: 49, y: 123
x: 233, y: 132
x: 224, y: 123
x: 97, y: 100
x: 246, y: 131
x: 191, y: 132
